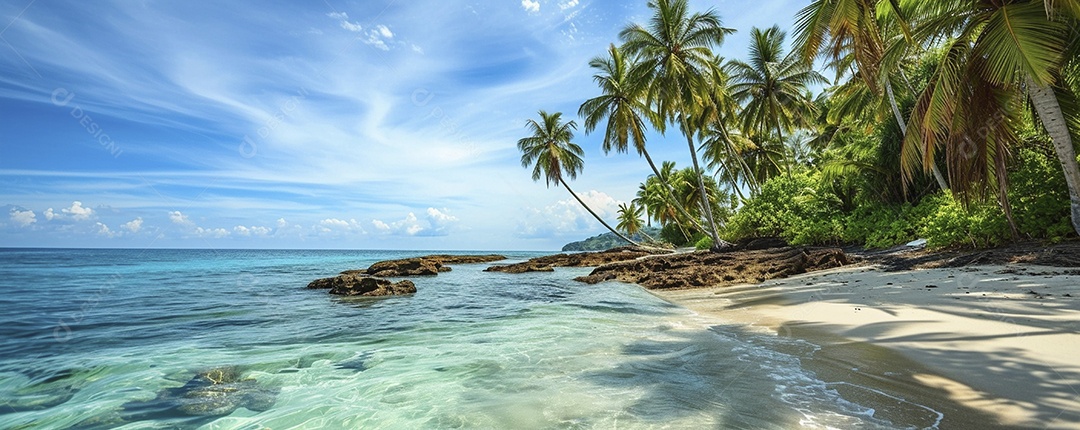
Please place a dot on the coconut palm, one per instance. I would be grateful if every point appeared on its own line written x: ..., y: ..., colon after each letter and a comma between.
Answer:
x: 622, y: 104
x: 997, y: 52
x: 552, y: 155
x: 851, y: 33
x: 675, y: 53
x: 772, y: 87
x: 630, y: 219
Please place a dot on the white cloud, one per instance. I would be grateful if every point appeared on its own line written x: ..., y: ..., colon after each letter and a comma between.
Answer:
x: 531, y: 6
x: 77, y: 212
x: 49, y: 214
x: 281, y: 223
x: 343, y: 20
x: 436, y: 223
x: 251, y: 231
x: 339, y: 226
x: 216, y: 233
x: 23, y: 218
x: 384, y: 31
x: 568, y: 5
x: 178, y: 218
x: 133, y: 226
x: 568, y: 217
x: 103, y: 230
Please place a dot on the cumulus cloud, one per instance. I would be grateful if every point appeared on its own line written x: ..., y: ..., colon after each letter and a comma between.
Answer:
x: 435, y: 223
x: 77, y: 212
x: 216, y: 233
x: 254, y: 230
x: 334, y: 226
x: 103, y: 230
x: 178, y: 218
x: 23, y: 218
x: 567, y: 217
x: 281, y: 223
x: 133, y: 226
x: 49, y: 214
x: 531, y: 6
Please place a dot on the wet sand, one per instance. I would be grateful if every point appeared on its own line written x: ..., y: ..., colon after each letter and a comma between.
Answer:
x: 986, y: 346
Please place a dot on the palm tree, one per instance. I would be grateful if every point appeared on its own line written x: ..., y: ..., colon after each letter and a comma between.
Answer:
x: 850, y: 33
x: 999, y: 51
x: 630, y: 219
x: 551, y: 154
x: 773, y: 87
x: 622, y: 103
x: 675, y: 53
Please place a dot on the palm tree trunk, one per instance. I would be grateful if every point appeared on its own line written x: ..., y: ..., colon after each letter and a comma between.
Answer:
x: 564, y: 184
x: 1049, y: 111
x: 671, y: 192
x: 717, y: 242
x: 942, y: 183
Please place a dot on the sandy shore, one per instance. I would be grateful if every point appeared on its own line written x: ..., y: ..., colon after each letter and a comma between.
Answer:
x: 987, y: 346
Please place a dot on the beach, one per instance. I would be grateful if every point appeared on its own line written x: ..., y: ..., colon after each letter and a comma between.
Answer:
x: 990, y: 345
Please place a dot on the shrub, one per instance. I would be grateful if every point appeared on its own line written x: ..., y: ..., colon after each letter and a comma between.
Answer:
x: 1039, y: 196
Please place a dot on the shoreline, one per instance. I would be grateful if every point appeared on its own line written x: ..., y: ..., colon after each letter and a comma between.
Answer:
x: 988, y: 346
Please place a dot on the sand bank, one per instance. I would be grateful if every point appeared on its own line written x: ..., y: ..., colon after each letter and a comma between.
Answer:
x: 988, y: 346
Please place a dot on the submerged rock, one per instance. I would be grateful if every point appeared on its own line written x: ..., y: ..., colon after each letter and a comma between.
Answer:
x: 363, y: 285
x: 711, y: 269
x: 214, y: 392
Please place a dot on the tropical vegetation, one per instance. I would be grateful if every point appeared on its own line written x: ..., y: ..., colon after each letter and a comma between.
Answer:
x: 956, y: 121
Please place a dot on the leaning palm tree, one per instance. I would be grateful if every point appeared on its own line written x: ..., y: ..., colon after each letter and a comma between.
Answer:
x: 675, y: 53
x: 551, y: 154
x: 851, y: 34
x: 997, y: 52
x: 622, y: 104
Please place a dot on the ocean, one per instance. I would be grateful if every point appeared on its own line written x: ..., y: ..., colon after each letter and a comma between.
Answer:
x: 126, y: 338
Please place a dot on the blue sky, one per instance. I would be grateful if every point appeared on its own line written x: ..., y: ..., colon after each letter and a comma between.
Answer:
x: 371, y: 124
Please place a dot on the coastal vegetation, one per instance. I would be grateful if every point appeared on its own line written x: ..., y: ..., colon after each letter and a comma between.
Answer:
x: 888, y: 121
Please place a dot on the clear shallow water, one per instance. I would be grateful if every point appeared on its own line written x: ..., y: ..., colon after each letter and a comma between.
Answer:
x: 92, y: 338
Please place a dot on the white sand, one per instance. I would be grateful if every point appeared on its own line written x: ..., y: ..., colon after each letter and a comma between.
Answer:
x: 992, y: 346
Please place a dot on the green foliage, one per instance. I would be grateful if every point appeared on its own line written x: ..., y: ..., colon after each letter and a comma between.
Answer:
x: 794, y: 207
x: 949, y: 224
x: 1039, y: 196
x: 705, y: 243
x: 673, y: 234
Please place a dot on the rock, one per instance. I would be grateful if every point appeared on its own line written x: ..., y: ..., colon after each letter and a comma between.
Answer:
x: 405, y: 267
x: 214, y: 392
x: 525, y: 267
x: 584, y: 259
x: 711, y: 269
x: 356, y: 284
x: 464, y: 259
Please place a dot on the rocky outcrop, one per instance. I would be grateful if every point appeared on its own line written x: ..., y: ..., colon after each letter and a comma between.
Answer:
x: 363, y: 285
x: 711, y: 269
x: 465, y: 259
x: 405, y: 267
x: 518, y: 268
x: 583, y: 259
x: 429, y: 265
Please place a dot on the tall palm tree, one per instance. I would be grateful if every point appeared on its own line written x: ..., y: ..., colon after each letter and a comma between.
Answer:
x: 851, y: 33
x: 773, y: 87
x: 999, y: 51
x: 622, y: 103
x: 675, y: 53
x: 552, y: 155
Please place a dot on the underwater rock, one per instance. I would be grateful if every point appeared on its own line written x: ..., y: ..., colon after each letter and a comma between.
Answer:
x: 215, y: 392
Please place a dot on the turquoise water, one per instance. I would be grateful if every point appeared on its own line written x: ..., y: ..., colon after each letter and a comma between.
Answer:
x: 111, y: 338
